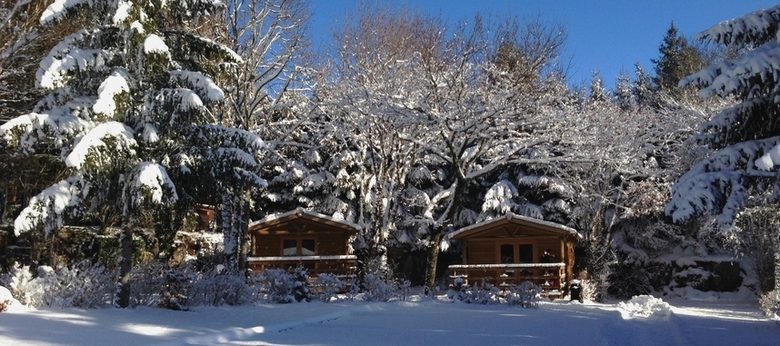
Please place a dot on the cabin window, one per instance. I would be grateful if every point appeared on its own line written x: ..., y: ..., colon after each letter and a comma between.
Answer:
x: 298, y: 247
x: 507, y: 253
x: 289, y: 247
x: 526, y: 253
x: 307, y: 247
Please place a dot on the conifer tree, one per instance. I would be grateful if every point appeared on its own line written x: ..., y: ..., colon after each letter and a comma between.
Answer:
x: 128, y: 109
x: 597, y: 92
x: 677, y: 59
x: 747, y: 135
x: 643, y: 89
x: 623, y: 94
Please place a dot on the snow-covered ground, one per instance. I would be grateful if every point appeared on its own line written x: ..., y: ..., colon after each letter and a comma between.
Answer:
x: 426, y: 322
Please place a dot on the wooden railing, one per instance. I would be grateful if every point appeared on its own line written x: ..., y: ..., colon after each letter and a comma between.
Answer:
x: 550, y: 276
x: 344, y: 265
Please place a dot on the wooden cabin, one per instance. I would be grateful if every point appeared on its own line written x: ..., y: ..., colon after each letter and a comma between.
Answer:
x: 513, y: 248
x: 302, y: 238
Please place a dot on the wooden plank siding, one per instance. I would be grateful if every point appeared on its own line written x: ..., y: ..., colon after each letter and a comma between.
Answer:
x: 508, y: 250
x: 331, y: 253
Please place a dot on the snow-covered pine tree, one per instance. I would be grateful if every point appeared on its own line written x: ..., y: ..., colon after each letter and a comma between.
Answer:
x: 643, y: 89
x: 128, y: 109
x: 623, y: 95
x: 746, y: 135
x: 597, y: 92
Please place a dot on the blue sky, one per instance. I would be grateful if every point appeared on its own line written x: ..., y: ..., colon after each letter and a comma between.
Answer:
x: 608, y: 36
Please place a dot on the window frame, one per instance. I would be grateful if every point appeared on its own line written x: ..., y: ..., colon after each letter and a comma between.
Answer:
x: 298, y: 245
x: 516, y: 244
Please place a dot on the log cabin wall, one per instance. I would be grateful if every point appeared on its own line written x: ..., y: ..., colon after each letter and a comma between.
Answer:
x: 486, y: 251
x: 327, y: 242
x: 512, y: 248
x: 301, y: 238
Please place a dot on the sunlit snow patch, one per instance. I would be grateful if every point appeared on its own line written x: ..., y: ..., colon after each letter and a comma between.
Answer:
x: 8, y: 302
x: 645, y: 307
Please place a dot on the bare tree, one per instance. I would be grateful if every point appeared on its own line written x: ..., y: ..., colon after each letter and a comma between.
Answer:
x: 270, y: 37
x: 420, y: 98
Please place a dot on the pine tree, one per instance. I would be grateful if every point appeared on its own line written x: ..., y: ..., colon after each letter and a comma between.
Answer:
x: 677, y: 59
x: 644, y: 91
x: 597, y: 92
x: 128, y: 108
x: 624, y: 97
x: 746, y: 136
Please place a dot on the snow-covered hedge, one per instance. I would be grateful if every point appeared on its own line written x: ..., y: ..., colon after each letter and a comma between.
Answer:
x: 182, y: 287
x: 330, y: 285
x: 483, y: 293
x: 526, y: 294
x: 377, y: 288
x: 83, y: 285
x: 283, y: 286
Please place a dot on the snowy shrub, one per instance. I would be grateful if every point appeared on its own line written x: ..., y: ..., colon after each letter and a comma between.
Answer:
x: 176, y: 287
x: 330, y: 285
x: 283, y: 286
x: 404, y: 289
x: 83, y: 285
x: 377, y: 288
x: 217, y: 287
x: 147, y: 284
x: 180, y: 288
x: 760, y: 231
x: 20, y: 282
x: 484, y: 293
x: 644, y: 307
x: 770, y: 303
x: 526, y: 294
x: 626, y: 280
x: 631, y: 276
x: 590, y: 290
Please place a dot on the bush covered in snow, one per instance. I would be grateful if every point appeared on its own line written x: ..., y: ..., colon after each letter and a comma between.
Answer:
x: 627, y: 280
x: 770, y: 303
x: 179, y: 288
x: 591, y: 290
x: 330, y: 285
x: 483, y: 293
x: 283, y: 286
x: 645, y: 307
x: 378, y: 288
x: 83, y: 285
x: 526, y: 294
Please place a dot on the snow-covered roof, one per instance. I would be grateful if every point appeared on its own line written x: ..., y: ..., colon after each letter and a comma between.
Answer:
x: 517, y: 219
x: 275, y: 219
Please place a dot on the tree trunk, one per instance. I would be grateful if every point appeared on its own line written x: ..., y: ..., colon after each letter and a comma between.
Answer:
x: 777, y: 262
x: 243, y: 244
x: 235, y: 218
x: 433, y: 258
x: 125, y: 264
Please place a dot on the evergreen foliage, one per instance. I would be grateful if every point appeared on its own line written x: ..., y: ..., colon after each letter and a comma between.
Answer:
x: 130, y: 116
x: 677, y: 59
x: 746, y: 135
